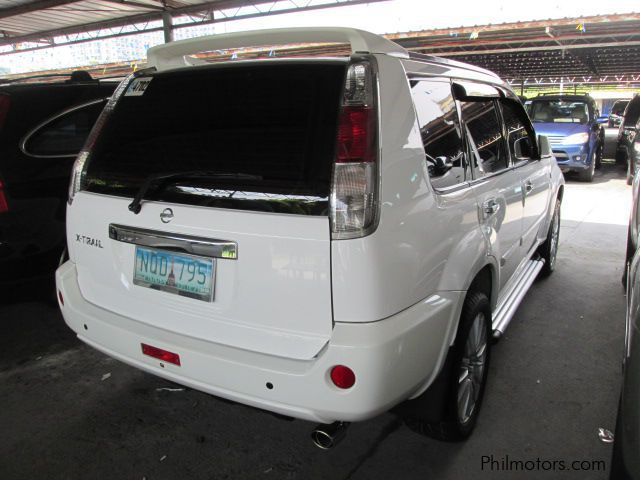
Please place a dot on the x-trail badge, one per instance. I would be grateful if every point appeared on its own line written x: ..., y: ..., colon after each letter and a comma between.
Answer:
x: 167, y: 215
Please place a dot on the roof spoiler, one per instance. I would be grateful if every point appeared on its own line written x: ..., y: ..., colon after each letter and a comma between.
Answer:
x: 173, y: 54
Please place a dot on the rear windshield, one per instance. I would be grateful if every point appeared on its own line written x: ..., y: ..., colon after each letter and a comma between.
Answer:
x: 559, y: 111
x: 619, y: 106
x: 265, y: 135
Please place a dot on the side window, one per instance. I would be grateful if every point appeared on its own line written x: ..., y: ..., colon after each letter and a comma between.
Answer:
x: 64, y: 135
x: 440, y: 132
x: 485, y: 136
x: 516, y: 126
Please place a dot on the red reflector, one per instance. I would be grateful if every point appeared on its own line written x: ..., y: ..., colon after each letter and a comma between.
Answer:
x: 343, y: 377
x: 160, y: 354
x: 61, y: 298
x: 356, y: 135
x: 4, y: 205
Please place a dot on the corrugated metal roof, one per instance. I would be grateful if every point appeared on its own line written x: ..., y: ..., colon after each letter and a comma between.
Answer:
x: 40, y: 20
x: 33, y: 20
x: 64, y: 15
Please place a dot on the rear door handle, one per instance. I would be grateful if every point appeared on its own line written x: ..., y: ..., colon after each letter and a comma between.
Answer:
x: 528, y: 186
x: 490, y: 207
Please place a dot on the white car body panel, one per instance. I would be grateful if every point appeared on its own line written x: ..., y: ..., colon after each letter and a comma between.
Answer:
x: 275, y: 298
x: 380, y: 274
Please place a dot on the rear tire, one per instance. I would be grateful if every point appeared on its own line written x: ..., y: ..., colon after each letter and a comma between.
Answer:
x: 468, y: 364
x: 549, y: 249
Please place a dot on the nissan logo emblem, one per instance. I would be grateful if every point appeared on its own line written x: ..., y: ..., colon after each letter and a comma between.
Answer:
x: 167, y: 215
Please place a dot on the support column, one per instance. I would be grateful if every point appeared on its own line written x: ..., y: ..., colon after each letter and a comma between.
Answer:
x: 167, y: 26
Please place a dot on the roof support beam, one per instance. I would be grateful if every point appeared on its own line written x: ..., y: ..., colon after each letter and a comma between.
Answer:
x: 133, y: 3
x: 519, y: 25
x: 33, y: 7
x: 528, y: 49
x: 203, y: 8
x: 167, y: 27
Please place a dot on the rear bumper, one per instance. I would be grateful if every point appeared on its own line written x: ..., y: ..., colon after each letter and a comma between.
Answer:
x: 392, y: 358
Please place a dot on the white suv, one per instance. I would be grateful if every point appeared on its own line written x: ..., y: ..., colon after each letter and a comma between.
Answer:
x: 325, y: 238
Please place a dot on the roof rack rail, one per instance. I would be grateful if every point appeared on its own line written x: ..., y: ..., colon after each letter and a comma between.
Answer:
x: 174, y: 54
x: 452, y: 63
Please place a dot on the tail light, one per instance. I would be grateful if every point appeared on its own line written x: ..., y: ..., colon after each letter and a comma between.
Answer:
x: 78, y: 173
x: 4, y: 205
x: 354, y: 191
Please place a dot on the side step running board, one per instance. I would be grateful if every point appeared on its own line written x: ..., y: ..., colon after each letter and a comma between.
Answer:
x: 505, y: 311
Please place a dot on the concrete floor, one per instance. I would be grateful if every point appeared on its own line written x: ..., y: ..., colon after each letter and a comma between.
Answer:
x: 553, y: 381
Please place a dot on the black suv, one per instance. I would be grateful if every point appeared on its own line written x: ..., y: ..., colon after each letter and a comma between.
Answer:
x: 626, y: 150
x: 44, y: 122
x: 616, y: 113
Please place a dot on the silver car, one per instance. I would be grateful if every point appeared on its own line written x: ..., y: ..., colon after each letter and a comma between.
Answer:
x: 626, y: 459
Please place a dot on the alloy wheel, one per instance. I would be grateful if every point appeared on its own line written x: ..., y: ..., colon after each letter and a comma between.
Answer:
x: 471, y: 375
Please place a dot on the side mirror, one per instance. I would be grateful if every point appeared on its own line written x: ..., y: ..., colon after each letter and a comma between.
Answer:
x: 543, y: 146
x: 522, y: 148
x: 441, y: 165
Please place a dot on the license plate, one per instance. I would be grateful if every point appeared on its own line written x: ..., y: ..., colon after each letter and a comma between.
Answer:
x: 177, y: 273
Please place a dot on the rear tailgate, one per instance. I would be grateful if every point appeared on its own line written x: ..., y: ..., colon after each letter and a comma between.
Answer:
x: 270, y: 132
x: 274, y: 298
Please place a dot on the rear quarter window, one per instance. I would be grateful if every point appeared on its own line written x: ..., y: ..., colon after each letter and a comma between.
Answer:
x: 441, y: 133
x: 64, y: 134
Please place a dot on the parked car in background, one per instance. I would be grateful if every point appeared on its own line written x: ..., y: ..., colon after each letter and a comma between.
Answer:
x: 43, y: 123
x: 627, y: 133
x: 570, y: 122
x: 322, y: 238
x: 625, y: 464
x: 617, y: 112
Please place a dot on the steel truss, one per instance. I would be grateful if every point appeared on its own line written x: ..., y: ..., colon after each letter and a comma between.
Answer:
x: 182, y: 17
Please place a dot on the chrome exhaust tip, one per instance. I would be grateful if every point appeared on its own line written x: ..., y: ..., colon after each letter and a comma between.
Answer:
x: 328, y: 436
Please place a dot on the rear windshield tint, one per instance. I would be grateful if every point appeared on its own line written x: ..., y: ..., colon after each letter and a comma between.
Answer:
x: 619, y: 106
x: 269, y: 131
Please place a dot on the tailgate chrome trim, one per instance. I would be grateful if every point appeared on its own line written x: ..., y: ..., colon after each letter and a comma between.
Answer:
x: 208, y: 247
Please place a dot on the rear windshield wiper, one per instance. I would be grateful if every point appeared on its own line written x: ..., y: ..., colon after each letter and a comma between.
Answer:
x: 159, y: 179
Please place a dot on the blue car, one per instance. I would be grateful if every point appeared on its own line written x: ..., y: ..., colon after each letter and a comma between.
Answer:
x: 570, y: 122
